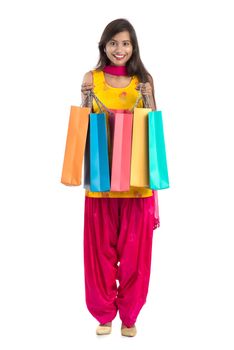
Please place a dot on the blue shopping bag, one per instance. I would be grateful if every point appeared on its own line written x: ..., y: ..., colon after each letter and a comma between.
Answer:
x: 158, y: 173
x: 99, y: 160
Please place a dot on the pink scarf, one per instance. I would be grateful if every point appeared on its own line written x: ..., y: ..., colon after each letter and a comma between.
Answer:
x: 116, y: 70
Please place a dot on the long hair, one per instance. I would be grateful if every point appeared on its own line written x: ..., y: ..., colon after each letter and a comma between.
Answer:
x: 134, y: 64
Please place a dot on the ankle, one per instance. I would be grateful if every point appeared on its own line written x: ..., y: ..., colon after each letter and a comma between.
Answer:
x: 108, y: 324
x: 124, y: 326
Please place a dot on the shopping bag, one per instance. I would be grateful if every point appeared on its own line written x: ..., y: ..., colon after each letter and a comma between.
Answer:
x: 120, y: 126
x: 139, y: 159
x: 75, y: 145
x: 158, y: 173
x: 86, y: 173
x: 99, y: 160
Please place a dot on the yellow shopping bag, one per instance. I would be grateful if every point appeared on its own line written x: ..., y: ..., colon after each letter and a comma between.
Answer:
x: 139, y: 158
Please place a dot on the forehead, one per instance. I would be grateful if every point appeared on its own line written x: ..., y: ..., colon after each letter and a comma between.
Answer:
x: 122, y: 36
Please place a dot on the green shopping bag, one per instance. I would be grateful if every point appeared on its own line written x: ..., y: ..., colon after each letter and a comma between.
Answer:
x: 158, y: 172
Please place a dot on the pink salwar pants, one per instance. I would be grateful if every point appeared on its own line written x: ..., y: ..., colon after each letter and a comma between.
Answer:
x: 118, y: 236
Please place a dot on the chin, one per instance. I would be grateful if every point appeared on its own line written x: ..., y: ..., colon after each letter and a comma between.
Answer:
x: 120, y: 63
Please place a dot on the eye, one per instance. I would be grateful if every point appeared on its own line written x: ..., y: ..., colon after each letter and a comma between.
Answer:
x: 112, y: 43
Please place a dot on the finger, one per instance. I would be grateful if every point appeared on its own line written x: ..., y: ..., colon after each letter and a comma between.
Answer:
x: 86, y: 84
x: 146, y: 93
x: 87, y: 87
x: 140, y: 87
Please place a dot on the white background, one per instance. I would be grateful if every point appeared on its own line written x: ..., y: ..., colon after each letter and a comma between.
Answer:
x: 46, y: 47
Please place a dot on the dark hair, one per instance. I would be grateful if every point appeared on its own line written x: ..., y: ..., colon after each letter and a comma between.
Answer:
x: 134, y: 65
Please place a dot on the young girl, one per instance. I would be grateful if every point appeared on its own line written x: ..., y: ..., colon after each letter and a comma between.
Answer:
x: 118, y: 226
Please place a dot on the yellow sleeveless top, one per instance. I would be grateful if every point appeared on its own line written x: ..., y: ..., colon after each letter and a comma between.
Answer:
x: 117, y: 98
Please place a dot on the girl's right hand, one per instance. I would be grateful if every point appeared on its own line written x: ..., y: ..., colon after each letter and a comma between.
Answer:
x: 86, y: 87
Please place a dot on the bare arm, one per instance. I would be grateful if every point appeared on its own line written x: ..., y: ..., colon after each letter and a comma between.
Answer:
x: 87, y: 85
x: 152, y: 95
x: 147, y: 91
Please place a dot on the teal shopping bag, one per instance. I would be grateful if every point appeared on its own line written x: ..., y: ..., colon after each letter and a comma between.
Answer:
x: 99, y: 160
x: 158, y: 173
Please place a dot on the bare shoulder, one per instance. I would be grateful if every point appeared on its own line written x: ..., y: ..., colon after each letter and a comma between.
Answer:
x: 88, y: 77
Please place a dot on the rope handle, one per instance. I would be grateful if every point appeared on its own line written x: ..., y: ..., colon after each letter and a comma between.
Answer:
x: 91, y: 95
x: 103, y: 107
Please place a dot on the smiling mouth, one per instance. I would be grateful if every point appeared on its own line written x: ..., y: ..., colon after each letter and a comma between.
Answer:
x: 119, y: 57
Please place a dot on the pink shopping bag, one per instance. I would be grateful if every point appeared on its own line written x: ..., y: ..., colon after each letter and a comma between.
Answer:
x: 120, y: 126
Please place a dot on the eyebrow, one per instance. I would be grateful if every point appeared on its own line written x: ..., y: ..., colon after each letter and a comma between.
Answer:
x: 122, y: 40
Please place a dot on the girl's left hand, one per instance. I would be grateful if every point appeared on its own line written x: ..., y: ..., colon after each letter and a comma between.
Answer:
x: 146, y: 89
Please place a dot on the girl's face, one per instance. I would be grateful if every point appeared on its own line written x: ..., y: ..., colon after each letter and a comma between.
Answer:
x: 119, y: 49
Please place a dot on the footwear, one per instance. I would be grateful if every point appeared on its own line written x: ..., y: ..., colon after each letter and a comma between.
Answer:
x: 104, y: 329
x: 128, y: 332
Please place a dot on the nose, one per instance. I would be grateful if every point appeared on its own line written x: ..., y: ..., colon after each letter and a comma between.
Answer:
x: 119, y: 46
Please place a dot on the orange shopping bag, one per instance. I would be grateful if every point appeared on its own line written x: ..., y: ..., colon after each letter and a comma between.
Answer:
x: 75, y: 145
